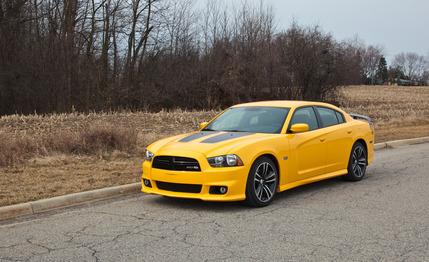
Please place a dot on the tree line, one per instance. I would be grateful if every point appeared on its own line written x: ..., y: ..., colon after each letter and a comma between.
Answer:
x: 409, y: 67
x: 84, y: 55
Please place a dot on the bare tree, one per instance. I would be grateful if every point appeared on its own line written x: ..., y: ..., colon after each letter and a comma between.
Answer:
x: 64, y: 55
x: 411, y: 64
x: 370, y: 59
x: 138, y: 33
x: 313, y: 60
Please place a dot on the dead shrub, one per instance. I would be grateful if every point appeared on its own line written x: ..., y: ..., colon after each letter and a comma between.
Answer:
x: 95, y: 140
x: 14, y: 150
x: 67, y: 142
x: 101, y: 139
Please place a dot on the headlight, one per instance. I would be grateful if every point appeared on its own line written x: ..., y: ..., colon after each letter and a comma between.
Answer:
x: 225, y: 161
x: 148, y: 155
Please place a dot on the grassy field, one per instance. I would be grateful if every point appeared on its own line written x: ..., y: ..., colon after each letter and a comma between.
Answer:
x: 45, y: 156
x: 398, y: 112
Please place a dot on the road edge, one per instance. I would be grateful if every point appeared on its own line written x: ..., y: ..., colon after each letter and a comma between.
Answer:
x: 48, y: 204
x: 402, y: 142
x: 69, y: 200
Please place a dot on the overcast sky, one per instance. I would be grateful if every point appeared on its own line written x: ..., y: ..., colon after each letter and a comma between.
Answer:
x: 397, y: 25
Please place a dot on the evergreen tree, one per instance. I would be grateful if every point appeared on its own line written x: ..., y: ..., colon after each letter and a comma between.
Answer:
x: 382, y: 74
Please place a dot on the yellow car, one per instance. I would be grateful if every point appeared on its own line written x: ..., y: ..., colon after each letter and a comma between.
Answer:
x: 252, y: 151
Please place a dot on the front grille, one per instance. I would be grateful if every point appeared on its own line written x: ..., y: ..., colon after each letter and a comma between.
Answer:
x: 185, y: 188
x: 176, y: 163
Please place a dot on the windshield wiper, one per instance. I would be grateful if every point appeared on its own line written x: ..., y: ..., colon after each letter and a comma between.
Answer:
x: 208, y: 129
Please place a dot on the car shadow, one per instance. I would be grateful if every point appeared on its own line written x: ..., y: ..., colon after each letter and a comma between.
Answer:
x: 311, y: 189
x: 317, y: 187
x: 198, y: 205
x: 292, y: 195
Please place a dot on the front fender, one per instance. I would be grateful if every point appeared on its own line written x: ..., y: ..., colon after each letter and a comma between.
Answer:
x: 277, y: 148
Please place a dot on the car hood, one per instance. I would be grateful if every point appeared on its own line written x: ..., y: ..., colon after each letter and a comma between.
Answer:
x: 208, y: 143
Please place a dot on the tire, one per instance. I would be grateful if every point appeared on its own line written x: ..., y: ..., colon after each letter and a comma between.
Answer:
x: 358, y: 162
x: 262, y: 182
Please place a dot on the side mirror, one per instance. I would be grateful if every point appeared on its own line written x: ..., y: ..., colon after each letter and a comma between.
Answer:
x: 299, y: 128
x: 202, y: 125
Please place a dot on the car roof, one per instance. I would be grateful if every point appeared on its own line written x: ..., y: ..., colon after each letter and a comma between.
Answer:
x: 285, y: 103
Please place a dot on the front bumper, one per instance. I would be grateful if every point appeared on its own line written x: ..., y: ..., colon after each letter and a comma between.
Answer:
x: 234, y: 178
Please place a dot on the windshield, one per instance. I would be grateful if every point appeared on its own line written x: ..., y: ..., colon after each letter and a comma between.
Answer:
x: 250, y: 119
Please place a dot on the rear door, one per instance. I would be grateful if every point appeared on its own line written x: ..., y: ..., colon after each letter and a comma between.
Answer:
x: 338, y: 138
x: 307, y: 149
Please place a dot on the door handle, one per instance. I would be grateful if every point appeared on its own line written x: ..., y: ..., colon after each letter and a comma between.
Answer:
x: 349, y: 132
x: 322, y: 139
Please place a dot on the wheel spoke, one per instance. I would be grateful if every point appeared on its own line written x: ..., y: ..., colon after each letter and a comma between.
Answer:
x: 265, y: 168
x: 259, y: 192
x: 268, y: 192
x: 359, y: 170
x: 271, y: 175
x: 258, y: 176
x: 272, y: 180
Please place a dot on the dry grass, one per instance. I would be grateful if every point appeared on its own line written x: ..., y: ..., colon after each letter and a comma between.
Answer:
x: 60, y: 174
x: 95, y: 140
x: 398, y: 112
x: 45, y: 156
x: 148, y: 126
x: 388, y: 104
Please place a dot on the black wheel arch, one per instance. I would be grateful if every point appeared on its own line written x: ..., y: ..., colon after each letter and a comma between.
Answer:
x: 363, y: 142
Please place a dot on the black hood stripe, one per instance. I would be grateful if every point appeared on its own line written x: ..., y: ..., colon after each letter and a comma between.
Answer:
x: 197, y: 135
x: 225, y: 136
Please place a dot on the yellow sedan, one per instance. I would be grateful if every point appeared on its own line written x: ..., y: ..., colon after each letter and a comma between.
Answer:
x: 252, y: 151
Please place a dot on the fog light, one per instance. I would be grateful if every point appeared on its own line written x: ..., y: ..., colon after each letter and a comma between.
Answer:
x: 218, y: 190
x: 146, y: 182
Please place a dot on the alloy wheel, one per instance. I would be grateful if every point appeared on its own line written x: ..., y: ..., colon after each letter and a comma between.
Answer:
x: 359, y: 161
x: 265, y: 182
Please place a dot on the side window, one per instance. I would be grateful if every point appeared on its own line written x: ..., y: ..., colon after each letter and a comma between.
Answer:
x: 305, y: 115
x: 327, y: 116
x: 340, y: 117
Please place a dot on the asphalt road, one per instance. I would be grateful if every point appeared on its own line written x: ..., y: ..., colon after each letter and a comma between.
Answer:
x: 383, y: 217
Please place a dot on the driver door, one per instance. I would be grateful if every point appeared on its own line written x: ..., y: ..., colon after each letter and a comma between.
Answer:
x: 307, y: 149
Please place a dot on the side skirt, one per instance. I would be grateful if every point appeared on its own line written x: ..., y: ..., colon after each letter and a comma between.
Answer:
x: 312, y: 179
